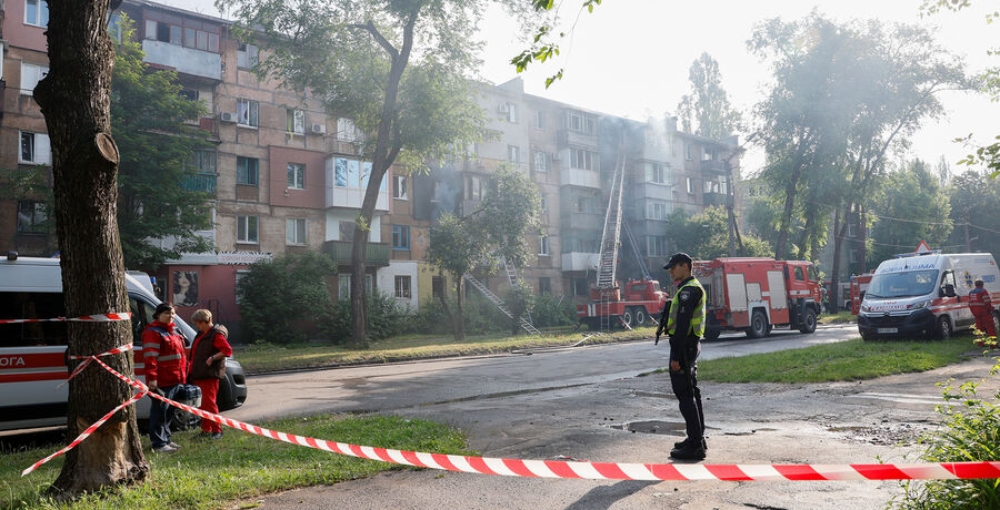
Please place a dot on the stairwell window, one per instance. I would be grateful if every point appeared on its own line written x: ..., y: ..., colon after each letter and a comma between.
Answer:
x: 399, y: 191
x: 400, y: 237
x: 35, y: 149
x: 296, y: 121
x: 247, y: 229
x: 541, y: 161
x: 247, y: 171
x: 543, y: 246
x: 36, y: 12
x: 295, y: 231
x: 402, y: 286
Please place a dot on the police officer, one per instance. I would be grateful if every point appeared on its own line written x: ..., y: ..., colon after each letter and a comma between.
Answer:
x: 685, y: 325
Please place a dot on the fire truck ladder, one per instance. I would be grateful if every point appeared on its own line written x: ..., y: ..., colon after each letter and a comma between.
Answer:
x: 610, y: 242
x: 525, y: 323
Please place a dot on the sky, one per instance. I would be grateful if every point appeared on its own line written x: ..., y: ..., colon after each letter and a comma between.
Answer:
x: 630, y: 58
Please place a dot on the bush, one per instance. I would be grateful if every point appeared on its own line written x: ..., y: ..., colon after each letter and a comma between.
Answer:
x: 279, y: 298
x: 970, y: 432
x: 552, y: 311
x: 385, y: 318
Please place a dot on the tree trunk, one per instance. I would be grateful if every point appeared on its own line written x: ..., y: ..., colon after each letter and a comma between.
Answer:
x: 386, y: 149
x: 75, y: 99
x: 459, y: 317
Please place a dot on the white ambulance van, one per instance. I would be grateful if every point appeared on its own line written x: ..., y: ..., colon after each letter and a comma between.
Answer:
x: 925, y: 295
x: 32, y: 355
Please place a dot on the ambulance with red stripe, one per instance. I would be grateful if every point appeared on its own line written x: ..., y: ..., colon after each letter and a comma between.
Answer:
x: 32, y: 354
x: 925, y: 295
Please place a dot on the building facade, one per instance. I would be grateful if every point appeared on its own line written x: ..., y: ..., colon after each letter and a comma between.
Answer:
x: 287, y: 177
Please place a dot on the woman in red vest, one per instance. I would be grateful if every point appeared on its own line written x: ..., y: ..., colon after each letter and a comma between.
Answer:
x: 208, y: 365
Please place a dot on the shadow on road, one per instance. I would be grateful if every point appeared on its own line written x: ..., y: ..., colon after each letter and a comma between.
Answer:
x: 605, y: 496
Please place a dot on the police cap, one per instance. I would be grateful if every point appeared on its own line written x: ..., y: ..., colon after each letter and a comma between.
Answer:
x: 678, y: 258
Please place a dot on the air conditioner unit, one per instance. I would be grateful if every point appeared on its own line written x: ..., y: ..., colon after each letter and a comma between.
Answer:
x: 227, y: 117
x: 319, y: 129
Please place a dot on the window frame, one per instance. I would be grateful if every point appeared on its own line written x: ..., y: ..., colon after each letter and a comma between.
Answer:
x: 296, y: 176
x: 401, y: 238
x: 403, y: 288
x: 41, y: 7
x: 243, y: 229
x: 37, y: 72
x: 38, y: 143
x: 243, y: 172
x: 294, y: 228
x: 38, y: 215
x: 399, y: 191
x: 250, y: 109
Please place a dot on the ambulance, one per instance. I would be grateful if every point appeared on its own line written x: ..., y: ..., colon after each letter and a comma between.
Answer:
x: 925, y: 295
x: 32, y: 354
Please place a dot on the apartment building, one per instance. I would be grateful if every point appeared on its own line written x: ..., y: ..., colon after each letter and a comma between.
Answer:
x: 287, y: 176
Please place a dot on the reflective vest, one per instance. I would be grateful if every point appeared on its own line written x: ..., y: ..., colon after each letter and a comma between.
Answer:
x: 697, y: 328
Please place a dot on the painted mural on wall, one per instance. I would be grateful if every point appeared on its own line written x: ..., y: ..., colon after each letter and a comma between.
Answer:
x: 185, y: 288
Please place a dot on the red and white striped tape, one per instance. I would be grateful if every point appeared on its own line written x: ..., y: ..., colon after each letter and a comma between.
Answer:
x: 87, y: 359
x: 583, y: 469
x: 107, y: 317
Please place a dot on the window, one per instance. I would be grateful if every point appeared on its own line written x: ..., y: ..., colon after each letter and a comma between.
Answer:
x: 657, y: 210
x: 240, y: 274
x: 474, y: 189
x: 399, y: 191
x: 657, y: 246
x: 164, y: 32
x: 543, y: 201
x: 580, y: 123
x: 247, y: 171
x: 544, y: 285
x: 513, y: 154
x: 690, y: 185
x: 852, y: 229
x: 347, y: 229
x: 31, y: 74
x: 347, y: 131
x: 351, y: 173
x: 296, y: 176
x: 538, y: 120
x: 403, y: 286
x: 543, y: 246
x: 296, y: 121
x: 247, y: 111
x: 36, y: 12
x: 35, y: 149
x: 31, y: 217
x: 344, y: 286
x: 688, y: 152
x: 400, y: 237
x: 201, y: 40
x: 512, y: 113
x: 584, y: 160
x: 204, y: 161
x: 437, y: 286
x: 247, y: 229
x: 247, y: 56
x: 295, y: 231
x: 656, y: 172
x: 541, y: 161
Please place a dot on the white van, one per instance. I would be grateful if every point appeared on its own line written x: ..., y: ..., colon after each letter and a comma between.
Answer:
x: 32, y: 355
x: 925, y: 296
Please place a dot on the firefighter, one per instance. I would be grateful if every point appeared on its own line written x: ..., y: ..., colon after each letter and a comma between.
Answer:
x: 982, y: 309
x: 685, y: 325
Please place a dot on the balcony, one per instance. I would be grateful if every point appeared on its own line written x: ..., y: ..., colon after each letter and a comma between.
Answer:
x: 200, y: 63
x: 577, y: 138
x: 711, y: 199
x: 200, y: 183
x: 714, y: 166
x: 376, y: 254
x: 578, y: 177
x: 579, y: 261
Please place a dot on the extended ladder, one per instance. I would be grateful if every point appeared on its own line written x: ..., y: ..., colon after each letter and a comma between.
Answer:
x: 525, y: 323
x: 611, y: 237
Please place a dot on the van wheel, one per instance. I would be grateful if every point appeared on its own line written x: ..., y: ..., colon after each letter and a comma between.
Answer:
x: 640, y: 316
x: 808, y: 324
x: 758, y: 325
x: 943, y: 331
x: 225, y: 399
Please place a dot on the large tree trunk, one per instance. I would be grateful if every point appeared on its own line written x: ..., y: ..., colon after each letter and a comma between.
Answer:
x: 75, y: 99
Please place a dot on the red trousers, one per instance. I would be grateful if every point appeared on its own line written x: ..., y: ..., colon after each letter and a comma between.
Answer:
x: 209, y: 392
x: 984, y: 321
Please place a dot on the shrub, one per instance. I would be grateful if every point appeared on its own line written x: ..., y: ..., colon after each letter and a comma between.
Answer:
x: 385, y: 318
x: 551, y: 311
x: 970, y: 432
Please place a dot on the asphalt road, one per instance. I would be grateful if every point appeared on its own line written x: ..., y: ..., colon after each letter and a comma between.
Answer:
x: 588, y: 403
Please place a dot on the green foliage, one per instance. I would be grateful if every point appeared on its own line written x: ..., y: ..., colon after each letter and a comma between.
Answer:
x: 910, y: 206
x: 278, y: 298
x: 975, y: 212
x: 385, y: 317
x: 705, y: 235
x: 970, y: 433
x: 552, y: 311
x: 158, y: 192
x: 707, y: 106
x: 519, y: 301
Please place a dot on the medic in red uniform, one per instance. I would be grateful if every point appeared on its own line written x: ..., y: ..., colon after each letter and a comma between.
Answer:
x: 982, y: 309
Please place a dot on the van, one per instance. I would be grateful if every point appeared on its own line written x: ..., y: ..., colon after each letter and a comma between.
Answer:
x: 925, y: 296
x: 32, y: 355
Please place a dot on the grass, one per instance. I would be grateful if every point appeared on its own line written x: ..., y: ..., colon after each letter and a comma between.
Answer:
x: 240, y: 466
x: 258, y: 359
x: 843, y: 361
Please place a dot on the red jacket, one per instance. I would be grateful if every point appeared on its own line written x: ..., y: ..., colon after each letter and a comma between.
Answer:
x: 979, y: 300
x: 163, y: 354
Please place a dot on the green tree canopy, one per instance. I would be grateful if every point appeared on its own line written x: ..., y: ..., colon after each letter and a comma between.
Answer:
x: 911, y: 206
x: 158, y: 192
x: 707, y: 109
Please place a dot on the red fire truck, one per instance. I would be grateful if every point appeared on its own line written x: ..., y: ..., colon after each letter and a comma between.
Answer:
x: 756, y: 294
x: 641, y: 301
x: 859, y: 285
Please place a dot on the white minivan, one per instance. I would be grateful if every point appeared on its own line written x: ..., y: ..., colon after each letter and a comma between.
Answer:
x: 32, y: 354
x: 925, y: 295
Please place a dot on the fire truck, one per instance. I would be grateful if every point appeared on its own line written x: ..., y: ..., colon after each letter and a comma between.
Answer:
x: 754, y: 294
x: 859, y: 285
x: 642, y: 299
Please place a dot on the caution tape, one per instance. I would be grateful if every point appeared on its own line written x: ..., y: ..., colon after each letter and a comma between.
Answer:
x: 106, y: 317
x: 581, y: 469
x: 88, y: 359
